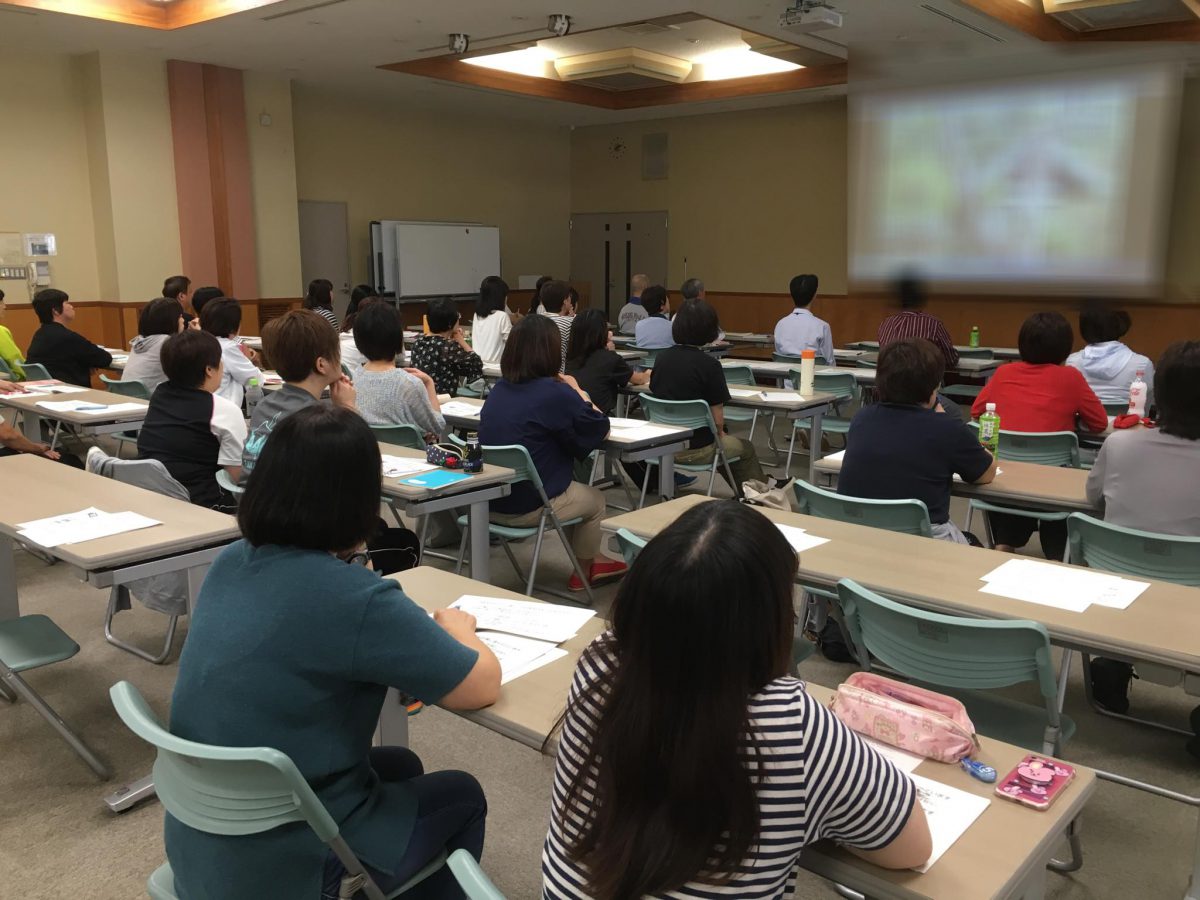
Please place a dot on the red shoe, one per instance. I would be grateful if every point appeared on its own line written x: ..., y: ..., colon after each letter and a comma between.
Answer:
x: 601, y: 571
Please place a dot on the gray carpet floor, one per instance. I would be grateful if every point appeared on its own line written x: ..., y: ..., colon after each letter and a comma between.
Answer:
x: 57, y: 839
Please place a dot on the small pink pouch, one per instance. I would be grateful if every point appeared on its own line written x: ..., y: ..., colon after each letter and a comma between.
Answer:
x: 903, y: 715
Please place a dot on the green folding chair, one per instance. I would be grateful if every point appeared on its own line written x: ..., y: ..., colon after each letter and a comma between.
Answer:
x: 1139, y: 554
x: 238, y: 791
x: 741, y: 375
x: 475, y: 884
x: 400, y: 435
x: 842, y: 385
x: 517, y: 458
x: 229, y: 484
x: 631, y: 545
x: 976, y: 353
x: 6, y: 369
x: 1116, y: 409
x: 36, y: 372
x: 693, y: 414
x: 904, y: 516
x: 776, y: 356
x: 30, y: 642
x: 648, y: 357
x: 131, y: 388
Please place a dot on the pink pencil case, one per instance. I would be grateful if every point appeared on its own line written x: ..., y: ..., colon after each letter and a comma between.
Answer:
x: 905, y: 716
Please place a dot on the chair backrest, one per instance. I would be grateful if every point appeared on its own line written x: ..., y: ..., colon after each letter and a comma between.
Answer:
x: 149, y: 474
x: 400, y: 435
x: 36, y: 372
x: 739, y: 375
x: 472, y: 879
x: 1116, y: 409
x: 7, y: 369
x: 1128, y: 551
x: 131, y: 388
x: 693, y: 414
x: 974, y: 654
x: 976, y: 353
x: 223, y: 790
x: 863, y: 363
x: 517, y: 458
x: 776, y: 356
x: 631, y: 545
x: 905, y: 516
x: 1045, y: 448
x: 842, y: 385
x: 648, y: 357
x: 228, y: 483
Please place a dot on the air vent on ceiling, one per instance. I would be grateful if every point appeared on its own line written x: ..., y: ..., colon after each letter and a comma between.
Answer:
x: 622, y: 70
x: 303, y: 9
x: 1099, y: 15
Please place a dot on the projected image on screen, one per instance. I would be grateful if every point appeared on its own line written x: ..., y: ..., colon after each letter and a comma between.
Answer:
x: 1052, y: 183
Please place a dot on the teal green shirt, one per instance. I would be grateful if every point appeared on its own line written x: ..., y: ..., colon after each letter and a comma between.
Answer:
x: 295, y: 649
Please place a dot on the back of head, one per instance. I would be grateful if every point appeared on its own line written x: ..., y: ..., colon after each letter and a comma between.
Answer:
x: 554, y: 293
x: 358, y: 296
x: 222, y: 317
x: 803, y: 288
x: 695, y: 324
x: 589, y: 333
x: 1099, y: 324
x: 692, y: 289
x: 637, y: 284
x: 910, y: 290
x: 536, y: 300
x: 379, y: 331
x: 296, y: 340
x: 1177, y: 390
x: 493, y: 295
x: 654, y: 298
x: 202, y: 295
x: 291, y: 500
x: 909, y: 371
x: 187, y: 356
x: 175, y: 286
x: 668, y: 740
x: 160, y: 316
x: 47, y: 302
x: 442, y: 314
x: 320, y: 294
x: 1045, y: 338
x: 533, y: 350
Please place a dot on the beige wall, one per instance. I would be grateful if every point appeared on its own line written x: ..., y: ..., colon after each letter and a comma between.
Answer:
x: 754, y: 197
x: 391, y: 164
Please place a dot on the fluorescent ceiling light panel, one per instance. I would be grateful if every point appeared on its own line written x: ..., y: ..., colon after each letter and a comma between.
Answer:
x: 532, y: 61
x: 741, y: 63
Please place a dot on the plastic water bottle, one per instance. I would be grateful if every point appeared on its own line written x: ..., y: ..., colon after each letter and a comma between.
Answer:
x: 254, y: 393
x: 973, y: 341
x: 808, y: 365
x: 1137, y: 395
x: 989, y: 429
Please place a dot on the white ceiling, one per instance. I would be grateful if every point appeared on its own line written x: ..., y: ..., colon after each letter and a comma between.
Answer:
x: 339, y: 45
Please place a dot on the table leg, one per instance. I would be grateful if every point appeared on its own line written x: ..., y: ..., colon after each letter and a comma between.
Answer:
x: 666, y: 476
x: 1193, y: 888
x: 10, y: 605
x: 1033, y: 887
x: 814, y: 445
x: 31, y: 424
x: 477, y: 516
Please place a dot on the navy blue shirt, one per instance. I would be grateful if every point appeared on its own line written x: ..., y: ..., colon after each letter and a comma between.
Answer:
x: 900, y: 452
x: 550, y: 420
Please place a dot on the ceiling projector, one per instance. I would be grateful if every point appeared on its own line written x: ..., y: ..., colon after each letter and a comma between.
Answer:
x: 806, y: 17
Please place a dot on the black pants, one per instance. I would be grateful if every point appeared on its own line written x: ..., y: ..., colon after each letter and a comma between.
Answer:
x: 1015, y: 531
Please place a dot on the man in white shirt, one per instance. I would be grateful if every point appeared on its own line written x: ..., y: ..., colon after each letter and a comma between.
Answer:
x: 632, y: 312
x: 222, y: 318
x: 800, y: 330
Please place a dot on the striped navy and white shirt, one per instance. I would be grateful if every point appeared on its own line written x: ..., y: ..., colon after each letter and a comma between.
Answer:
x: 818, y: 780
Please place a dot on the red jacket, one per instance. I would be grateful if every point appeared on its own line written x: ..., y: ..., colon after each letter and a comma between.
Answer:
x: 1041, y: 398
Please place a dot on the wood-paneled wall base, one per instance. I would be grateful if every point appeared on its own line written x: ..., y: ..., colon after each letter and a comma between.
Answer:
x: 162, y: 16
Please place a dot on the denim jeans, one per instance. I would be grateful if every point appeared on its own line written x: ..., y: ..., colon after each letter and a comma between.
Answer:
x: 451, y: 814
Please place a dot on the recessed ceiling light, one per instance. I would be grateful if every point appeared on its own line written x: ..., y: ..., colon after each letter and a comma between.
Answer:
x: 532, y: 61
x: 741, y: 63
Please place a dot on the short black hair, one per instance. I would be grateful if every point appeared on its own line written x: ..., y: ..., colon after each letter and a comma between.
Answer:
x: 186, y: 356
x: 695, y: 324
x: 589, y: 333
x: 909, y: 371
x: 442, y: 314
x: 319, y: 295
x: 536, y: 300
x: 1045, y: 338
x: 533, y: 350
x: 493, y: 292
x: 176, y: 285
x: 910, y: 290
x: 222, y: 317
x: 803, y: 288
x: 290, y: 499
x: 160, y: 316
x: 378, y: 331
x: 295, y: 341
x: 360, y: 293
x: 1177, y: 390
x: 202, y: 295
x: 654, y: 298
x: 553, y: 294
x: 1099, y: 324
x: 47, y: 302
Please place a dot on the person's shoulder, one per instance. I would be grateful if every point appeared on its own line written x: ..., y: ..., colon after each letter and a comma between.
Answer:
x: 224, y: 406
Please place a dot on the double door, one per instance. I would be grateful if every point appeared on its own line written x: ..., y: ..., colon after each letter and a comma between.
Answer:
x: 608, y: 249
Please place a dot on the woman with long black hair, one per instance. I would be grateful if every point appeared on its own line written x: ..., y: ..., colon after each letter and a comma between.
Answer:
x: 320, y: 300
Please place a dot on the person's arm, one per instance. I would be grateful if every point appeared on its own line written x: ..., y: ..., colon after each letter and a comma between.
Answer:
x: 239, y: 367
x: 718, y: 414
x: 342, y: 393
x: 421, y: 403
x: 989, y: 474
x: 911, y: 847
x: 826, y: 351
x: 582, y: 427
x: 229, y: 428
x: 11, y: 353
x: 15, y: 440
x: 1090, y: 409
x: 481, y: 687
x: 467, y: 363
x: 642, y: 377
x: 970, y: 461
x: 89, y: 354
x: 946, y: 345
x: 1095, y: 479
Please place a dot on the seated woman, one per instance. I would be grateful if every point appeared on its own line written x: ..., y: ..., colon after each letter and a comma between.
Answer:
x: 676, y: 776
x: 545, y: 412
x: 1039, y: 394
x: 687, y: 372
x: 360, y: 297
x: 320, y: 300
x: 387, y: 395
x: 907, y: 446
x: 1108, y: 365
x: 191, y: 429
x: 293, y: 645
x: 492, y: 324
x: 158, y: 320
x: 444, y: 354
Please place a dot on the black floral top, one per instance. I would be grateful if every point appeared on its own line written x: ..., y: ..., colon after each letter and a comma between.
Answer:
x: 445, y: 362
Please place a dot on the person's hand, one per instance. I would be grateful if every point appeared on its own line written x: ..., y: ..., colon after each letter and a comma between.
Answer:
x: 248, y: 352
x: 195, y: 323
x: 568, y: 379
x: 610, y: 344
x: 11, y: 387
x: 342, y: 393
x: 425, y: 379
x: 48, y: 453
x: 458, y: 624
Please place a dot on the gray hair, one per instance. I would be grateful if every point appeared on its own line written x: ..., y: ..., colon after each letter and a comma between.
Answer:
x: 692, y: 289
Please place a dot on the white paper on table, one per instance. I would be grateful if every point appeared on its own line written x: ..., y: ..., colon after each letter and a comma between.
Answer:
x: 643, y: 432
x: 1065, y: 587
x: 85, y: 525
x: 397, y: 466
x: 543, y: 621
x: 458, y: 408
x: 949, y: 812
x: 833, y: 457
x: 53, y: 388
x: 999, y: 471
x: 518, y: 655
x: 747, y: 393
x: 618, y: 422
x: 800, y: 539
x: 903, y: 760
x: 89, y: 409
x: 782, y: 397
x: 113, y: 409
x: 543, y: 660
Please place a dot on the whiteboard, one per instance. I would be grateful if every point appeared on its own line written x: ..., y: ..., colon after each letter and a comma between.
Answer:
x: 444, y: 258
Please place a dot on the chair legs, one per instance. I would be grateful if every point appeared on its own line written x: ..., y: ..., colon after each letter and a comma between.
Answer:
x: 583, y: 576
x: 1091, y: 699
x: 114, y: 603
x: 14, y: 685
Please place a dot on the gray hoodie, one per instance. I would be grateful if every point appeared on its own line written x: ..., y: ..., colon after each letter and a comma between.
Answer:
x: 1110, y: 368
x: 144, y: 364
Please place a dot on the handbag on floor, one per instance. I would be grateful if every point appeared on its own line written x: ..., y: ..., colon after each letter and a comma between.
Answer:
x: 774, y: 493
x: 393, y: 549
